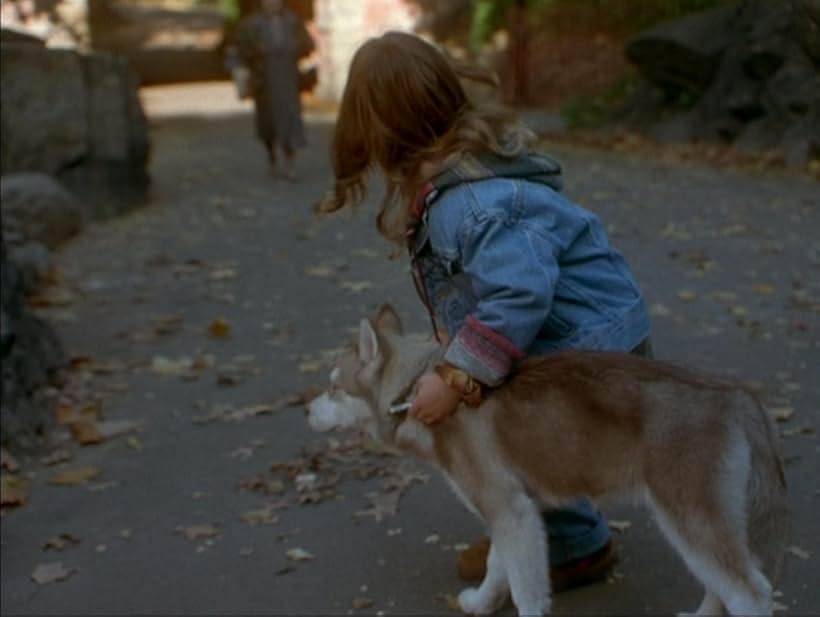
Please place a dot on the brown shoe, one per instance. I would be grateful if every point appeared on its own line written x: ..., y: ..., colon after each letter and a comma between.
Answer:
x: 584, y: 571
x: 472, y: 566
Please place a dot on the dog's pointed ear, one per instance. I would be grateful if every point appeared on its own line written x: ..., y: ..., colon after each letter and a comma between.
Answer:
x: 368, y: 342
x: 388, y: 320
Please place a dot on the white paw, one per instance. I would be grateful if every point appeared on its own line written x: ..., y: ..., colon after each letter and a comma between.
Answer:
x: 472, y: 602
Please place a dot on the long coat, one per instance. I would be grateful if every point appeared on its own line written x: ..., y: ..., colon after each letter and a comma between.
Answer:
x: 270, y: 46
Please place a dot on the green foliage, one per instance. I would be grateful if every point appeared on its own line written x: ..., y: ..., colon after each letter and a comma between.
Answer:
x: 626, y: 16
x: 596, y: 111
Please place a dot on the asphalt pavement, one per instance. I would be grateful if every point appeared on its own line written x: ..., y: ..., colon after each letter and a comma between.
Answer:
x: 198, y: 324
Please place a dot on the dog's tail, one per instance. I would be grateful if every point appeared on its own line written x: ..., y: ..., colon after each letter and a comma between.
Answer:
x: 768, y: 501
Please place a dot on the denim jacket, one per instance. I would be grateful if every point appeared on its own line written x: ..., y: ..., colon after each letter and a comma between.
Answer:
x: 509, y: 267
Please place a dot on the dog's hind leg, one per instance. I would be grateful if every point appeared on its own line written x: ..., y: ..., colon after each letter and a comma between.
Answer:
x: 720, y: 560
x: 517, y: 533
x: 492, y: 593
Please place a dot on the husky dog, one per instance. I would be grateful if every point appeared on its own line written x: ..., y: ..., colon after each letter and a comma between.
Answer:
x: 699, y: 451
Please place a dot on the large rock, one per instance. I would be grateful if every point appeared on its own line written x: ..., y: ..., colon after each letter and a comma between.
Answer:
x: 77, y: 117
x: 39, y: 209
x: 750, y: 73
x: 684, y: 53
x: 30, y: 356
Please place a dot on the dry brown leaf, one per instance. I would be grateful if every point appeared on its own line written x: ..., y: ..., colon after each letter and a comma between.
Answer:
x: 167, y: 324
x: 7, y: 461
x: 782, y: 413
x: 310, y: 366
x: 59, y: 542
x: 13, y: 491
x: 223, y: 274
x: 86, y: 433
x: 220, y: 328
x: 362, y: 603
x: 197, y: 532
x: 448, y: 600
x: 89, y: 411
x: 320, y: 271
x: 263, y: 516
x: 56, y: 457
x: 51, y: 573
x: 74, y: 477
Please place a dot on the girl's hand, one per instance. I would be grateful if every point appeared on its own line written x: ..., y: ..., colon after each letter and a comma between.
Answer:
x: 434, y: 400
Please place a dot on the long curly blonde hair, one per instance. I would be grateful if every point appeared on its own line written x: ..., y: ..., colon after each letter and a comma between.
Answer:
x: 403, y: 110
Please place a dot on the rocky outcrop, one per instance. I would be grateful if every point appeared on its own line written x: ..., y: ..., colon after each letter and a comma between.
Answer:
x: 747, y: 74
x: 30, y: 356
x: 36, y: 208
x: 77, y: 117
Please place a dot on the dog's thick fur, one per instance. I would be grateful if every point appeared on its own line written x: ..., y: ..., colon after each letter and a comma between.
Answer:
x: 699, y: 451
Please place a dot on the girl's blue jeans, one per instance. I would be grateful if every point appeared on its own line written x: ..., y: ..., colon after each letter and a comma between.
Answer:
x: 575, y: 531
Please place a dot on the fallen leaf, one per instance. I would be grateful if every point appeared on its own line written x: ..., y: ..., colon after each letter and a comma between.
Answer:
x: 59, y: 542
x: 362, y: 603
x: 89, y: 411
x: 620, y: 526
x: 167, y: 324
x: 264, y: 516
x: 798, y: 552
x: 168, y: 367
x: 51, y: 573
x: 220, y: 328
x: 197, y: 532
x: 448, y: 600
x: 382, y: 504
x: 310, y: 366
x: 659, y: 310
x: 687, y: 295
x: 763, y: 289
x: 223, y: 274
x: 320, y: 271
x: 356, y: 286
x: 298, y: 554
x: 86, y: 433
x: 781, y: 414
x: 7, y: 461
x: 74, y: 477
x: 56, y: 457
x: 369, y: 253
x: 13, y: 491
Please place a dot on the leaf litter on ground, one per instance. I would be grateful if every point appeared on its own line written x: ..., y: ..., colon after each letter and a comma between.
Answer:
x: 53, y: 572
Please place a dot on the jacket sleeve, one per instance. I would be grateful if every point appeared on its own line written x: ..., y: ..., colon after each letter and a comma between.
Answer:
x: 513, y: 269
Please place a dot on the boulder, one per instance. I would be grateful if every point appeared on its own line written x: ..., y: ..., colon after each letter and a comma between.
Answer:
x: 77, y: 117
x: 749, y: 72
x: 684, y: 53
x: 36, y: 206
x: 30, y: 356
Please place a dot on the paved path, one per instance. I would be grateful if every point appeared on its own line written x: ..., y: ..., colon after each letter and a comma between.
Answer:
x: 199, y: 511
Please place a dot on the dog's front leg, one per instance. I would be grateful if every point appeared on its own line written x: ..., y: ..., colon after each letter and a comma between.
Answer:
x: 492, y: 593
x: 518, y: 535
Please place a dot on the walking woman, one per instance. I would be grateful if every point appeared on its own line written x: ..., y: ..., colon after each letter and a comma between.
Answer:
x: 270, y: 42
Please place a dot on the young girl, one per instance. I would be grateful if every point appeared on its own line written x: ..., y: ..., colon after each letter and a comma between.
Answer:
x: 505, y: 264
